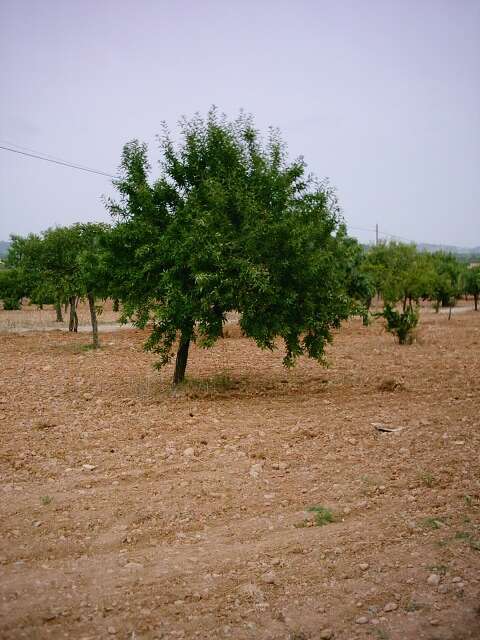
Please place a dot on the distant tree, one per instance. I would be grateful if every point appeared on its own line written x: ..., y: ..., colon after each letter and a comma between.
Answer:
x: 359, y: 281
x: 399, y: 272
x: 11, y: 289
x: 92, y: 278
x: 62, y: 264
x: 401, y: 275
x: 228, y: 225
x: 25, y: 258
x: 472, y: 283
x: 446, y: 281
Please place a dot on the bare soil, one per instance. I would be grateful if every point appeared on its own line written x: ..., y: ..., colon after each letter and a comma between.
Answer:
x: 134, y: 512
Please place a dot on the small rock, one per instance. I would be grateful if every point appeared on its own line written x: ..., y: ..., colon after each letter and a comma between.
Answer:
x: 361, y: 620
x: 89, y: 467
x: 375, y: 621
x: 326, y: 634
x: 364, y: 566
x: 178, y: 603
x: 189, y: 452
x: 269, y: 577
x: 112, y: 630
x: 37, y: 523
x: 252, y: 591
x: 443, y: 588
x: 390, y: 606
x: 433, y: 579
x: 433, y: 622
x: 256, y: 470
x: 457, y: 579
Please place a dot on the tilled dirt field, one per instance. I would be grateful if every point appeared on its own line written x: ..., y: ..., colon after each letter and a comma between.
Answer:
x: 132, y: 512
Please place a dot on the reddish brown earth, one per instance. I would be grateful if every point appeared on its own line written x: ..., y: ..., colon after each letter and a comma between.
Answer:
x: 193, y: 522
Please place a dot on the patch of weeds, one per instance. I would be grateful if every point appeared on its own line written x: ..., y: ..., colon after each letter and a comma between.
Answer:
x: 442, y: 543
x: 468, y: 537
x: 438, y: 568
x: 46, y: 500
x: 382, y: 634
x: 413, y: 605
x: 428, y: 479
x: 86, y: 347
x: 432, y: 523
x: 468, y: 501
x: 322, y: 515
x: 220, y: 382
x: 462, y: 535
x: 297, y: 635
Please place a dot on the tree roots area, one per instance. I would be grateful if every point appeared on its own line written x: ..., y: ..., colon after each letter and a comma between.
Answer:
x: 250, y: 502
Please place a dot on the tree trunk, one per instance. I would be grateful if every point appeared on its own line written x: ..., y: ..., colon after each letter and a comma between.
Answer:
x: 58, y: 310
x: 65, y: 307
x: 93, y: 316
x: 73, y: 323
x: 404, y: 303
x: 181, y: 360
x: 450, y: 312
x: 475, y: 297
x: 116, y: 305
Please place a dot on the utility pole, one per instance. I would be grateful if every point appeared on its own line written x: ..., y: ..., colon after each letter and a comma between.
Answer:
x: 376, y: 234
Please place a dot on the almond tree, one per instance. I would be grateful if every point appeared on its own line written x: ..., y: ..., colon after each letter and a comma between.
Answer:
x: 229, y: 224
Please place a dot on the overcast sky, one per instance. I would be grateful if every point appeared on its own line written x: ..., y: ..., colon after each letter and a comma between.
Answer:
x: 383, y: 97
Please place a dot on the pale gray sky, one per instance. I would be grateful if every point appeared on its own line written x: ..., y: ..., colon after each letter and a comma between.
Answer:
x: 383, y: 97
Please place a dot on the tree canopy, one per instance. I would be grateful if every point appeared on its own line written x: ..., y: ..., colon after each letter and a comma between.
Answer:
x: 230, y: 224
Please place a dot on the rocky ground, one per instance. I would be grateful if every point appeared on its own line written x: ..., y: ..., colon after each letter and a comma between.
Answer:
x: 133, y: 512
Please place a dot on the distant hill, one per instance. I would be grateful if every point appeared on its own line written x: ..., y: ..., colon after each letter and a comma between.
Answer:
x: 449, y: 249
x: 3, y: 248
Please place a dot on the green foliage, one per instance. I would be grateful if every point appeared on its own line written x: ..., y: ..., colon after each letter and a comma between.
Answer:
x: 471, y: 283
x: 62, y: 264
x: 11, y: 289
x: 432, y: 523
x: 323, y: 515
x: 446, y: 279
x: 400, y: 323
x: 359, y: 282
x: 228, y: 225
x: 399, y: 272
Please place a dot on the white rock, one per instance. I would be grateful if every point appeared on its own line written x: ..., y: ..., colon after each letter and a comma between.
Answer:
x: 89, y: 467
x: 362, y: 620
x: 189, y: 452
x: 364, y: 566
x: 256, y: 470
x: 390, y: 606
x: 269, y: 577
x: 326, y: 634
x: 433, y: 579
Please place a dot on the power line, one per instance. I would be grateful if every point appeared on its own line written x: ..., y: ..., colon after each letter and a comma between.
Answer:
x: 31, y: 153
x: 61, y: 162
x: 382, y: 233
x: 9, y: 143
